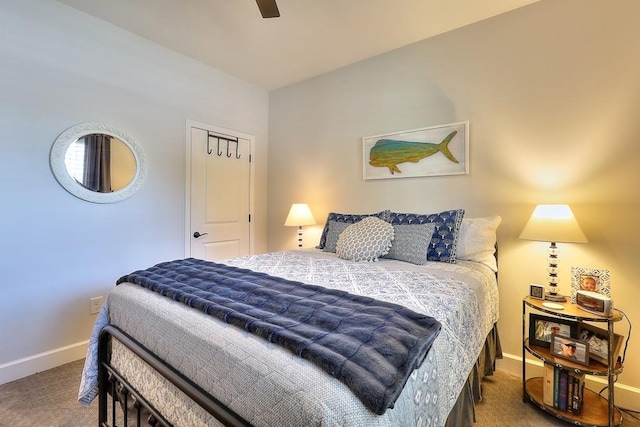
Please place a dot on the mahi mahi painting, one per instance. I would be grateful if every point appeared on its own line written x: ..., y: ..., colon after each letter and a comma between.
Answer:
x: 389, y: 153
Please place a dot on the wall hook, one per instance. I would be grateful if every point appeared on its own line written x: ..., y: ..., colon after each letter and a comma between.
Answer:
x: 238, y: 155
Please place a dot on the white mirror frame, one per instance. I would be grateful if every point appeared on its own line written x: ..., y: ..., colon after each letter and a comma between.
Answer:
x: 59, y: 169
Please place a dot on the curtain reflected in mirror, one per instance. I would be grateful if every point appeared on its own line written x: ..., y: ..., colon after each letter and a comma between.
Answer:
x: 100, y: 163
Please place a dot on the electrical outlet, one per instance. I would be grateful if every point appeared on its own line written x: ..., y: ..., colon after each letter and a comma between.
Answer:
x: 95, y: 304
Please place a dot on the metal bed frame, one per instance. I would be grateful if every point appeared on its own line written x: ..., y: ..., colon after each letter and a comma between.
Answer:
x: 121, y: 405
x: 125, y: 399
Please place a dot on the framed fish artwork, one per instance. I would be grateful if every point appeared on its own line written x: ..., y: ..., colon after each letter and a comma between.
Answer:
x: 430, y: 151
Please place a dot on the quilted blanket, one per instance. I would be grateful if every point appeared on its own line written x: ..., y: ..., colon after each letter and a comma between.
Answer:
x: 371, y: 346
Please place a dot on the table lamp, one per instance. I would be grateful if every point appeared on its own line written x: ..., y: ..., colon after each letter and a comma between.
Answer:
x: 299, y: 215
x: 553, y: 223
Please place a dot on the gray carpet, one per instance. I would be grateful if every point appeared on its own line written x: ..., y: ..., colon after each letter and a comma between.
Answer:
x: 502, y: 406
x: 48, y: 399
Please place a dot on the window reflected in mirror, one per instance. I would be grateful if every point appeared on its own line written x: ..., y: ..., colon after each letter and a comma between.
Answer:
x: 100, y: 163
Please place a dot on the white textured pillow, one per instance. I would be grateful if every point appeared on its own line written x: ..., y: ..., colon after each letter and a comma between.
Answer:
x: 366, y: 240
x: 477, y: 240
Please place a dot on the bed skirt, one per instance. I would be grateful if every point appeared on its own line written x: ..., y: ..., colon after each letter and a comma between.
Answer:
x: 463, y: 413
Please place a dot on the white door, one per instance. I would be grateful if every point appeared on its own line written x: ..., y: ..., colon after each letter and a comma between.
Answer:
x: 218, y: 193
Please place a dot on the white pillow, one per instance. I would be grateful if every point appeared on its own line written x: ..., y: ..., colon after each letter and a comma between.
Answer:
x: 366, y: 240
x: 477, y: 240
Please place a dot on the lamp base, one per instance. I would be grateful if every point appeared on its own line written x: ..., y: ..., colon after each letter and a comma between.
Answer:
x: 299, y: 237
x: 555, y: 297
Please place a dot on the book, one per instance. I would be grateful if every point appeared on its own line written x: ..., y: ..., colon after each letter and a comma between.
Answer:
x: 556, y: 385
x: 563, y: 388
x: 547, y: 385
x: 570, y: 391
x: 578, y: 393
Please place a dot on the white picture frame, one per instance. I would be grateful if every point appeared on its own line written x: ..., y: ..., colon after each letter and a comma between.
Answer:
x: 590, y: 279
x: 430, y: 151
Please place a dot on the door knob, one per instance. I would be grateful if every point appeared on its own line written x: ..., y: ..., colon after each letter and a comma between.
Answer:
x: 198, y: 234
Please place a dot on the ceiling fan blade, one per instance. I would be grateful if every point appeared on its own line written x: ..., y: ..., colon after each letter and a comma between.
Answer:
x: 268, y: 8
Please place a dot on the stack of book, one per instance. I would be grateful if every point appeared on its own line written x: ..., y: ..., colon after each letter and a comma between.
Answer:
x: 563, y: 389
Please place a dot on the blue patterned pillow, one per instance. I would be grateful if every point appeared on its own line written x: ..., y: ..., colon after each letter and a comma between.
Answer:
x: 444, y: 241
x: 349, y: 219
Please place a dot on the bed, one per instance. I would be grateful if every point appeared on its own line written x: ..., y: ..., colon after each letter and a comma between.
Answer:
x: 180, y: 365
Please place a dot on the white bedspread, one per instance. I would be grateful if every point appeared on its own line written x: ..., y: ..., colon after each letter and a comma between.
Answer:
x: 267, y: 385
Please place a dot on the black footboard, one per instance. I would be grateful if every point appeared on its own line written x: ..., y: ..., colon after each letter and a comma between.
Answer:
x: 121, y: 405
x: 128, y: 407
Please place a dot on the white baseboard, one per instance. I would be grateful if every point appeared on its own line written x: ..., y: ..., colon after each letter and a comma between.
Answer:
x: 624, y: 396
x: 30, y: 365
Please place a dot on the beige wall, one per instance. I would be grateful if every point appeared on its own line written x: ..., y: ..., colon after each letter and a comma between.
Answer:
x: 552, y: 94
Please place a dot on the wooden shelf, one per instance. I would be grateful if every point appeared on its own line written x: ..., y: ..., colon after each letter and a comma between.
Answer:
x: 594, y: 368
x: 572, y: 311
x: 595, y: 410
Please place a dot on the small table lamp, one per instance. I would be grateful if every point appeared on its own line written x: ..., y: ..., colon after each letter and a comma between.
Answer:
x: 553, y: 223
x: 299, y: 215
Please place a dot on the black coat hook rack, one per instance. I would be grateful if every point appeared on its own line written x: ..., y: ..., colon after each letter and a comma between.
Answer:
x: 228, y: 140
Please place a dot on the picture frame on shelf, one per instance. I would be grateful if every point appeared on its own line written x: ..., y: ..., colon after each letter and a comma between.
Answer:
x: 598, y: 340
x: 542, y: 329
x: 590, y: 279
x: 570, y: 349
x: 536, y: 291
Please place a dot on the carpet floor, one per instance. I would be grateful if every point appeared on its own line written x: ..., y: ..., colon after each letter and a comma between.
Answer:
x: 502, y: 406
x: 49, y: 399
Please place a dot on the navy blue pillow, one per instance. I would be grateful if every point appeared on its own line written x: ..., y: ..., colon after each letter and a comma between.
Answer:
x: 444, y: 242
x: 349, y: 219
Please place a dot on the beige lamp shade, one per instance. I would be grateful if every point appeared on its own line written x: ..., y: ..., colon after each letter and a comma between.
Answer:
x: 553, y: 223
x: 299, y: 215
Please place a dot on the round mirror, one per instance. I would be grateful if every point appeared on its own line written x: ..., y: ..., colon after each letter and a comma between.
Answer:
x: 98, y: 162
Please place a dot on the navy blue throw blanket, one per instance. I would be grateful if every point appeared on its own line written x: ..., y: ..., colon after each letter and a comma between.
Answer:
x: 369, y: 345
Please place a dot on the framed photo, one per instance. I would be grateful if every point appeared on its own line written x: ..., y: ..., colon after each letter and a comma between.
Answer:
x: 543, y: 328
x: 536, y: 291
x: 430, y: 151
x: 589, y: 279
x: 598, y: 340
x: 571, y: 349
